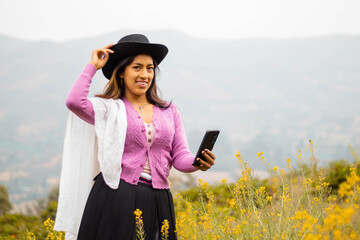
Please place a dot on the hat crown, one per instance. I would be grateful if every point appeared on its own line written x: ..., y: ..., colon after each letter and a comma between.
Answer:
x: 139, y: 38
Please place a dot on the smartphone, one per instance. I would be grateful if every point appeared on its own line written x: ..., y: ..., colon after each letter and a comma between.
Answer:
x: 207, y: 142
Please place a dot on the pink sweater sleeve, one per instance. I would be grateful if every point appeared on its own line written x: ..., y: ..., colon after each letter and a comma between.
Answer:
x: 77, y: 100
x: 182, y: 157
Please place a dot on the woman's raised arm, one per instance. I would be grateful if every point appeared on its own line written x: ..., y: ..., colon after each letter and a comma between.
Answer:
x: 77, y: 100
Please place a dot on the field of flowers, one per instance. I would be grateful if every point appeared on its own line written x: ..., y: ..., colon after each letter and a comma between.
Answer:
x: 293, y: 203
x: 302, y: 201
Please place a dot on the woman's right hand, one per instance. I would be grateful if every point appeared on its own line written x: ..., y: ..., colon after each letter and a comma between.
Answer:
x: 99, y: 57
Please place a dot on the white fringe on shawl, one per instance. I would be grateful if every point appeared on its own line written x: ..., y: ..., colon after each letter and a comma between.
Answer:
x: 87, y: 150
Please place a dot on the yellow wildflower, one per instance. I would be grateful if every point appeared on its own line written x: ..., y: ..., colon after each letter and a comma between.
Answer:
x: 30, y: 236
x: 288, y: 165
x: 165, y: 229
x: 140, y: 232
x: 232, y: 202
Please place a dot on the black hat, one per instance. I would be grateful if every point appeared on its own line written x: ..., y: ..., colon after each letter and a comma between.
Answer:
x: 130, y: 45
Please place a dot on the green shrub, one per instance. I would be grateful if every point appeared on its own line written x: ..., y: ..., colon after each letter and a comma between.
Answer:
x: 336, y: 173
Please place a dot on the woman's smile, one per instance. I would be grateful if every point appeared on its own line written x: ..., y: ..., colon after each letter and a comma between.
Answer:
x: 142, y: 84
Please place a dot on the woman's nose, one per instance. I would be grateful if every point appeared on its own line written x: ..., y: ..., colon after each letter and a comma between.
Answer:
x: 144, y: 73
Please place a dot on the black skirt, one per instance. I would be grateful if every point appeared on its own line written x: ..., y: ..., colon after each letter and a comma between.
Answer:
x: 109, y: 213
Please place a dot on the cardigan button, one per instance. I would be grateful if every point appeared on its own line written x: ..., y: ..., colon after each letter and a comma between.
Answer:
x: 142, y: 165
x: 134, y: 181
x: 143, y: 130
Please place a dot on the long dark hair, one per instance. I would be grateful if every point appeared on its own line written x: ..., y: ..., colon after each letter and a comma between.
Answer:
x: 115, y: 88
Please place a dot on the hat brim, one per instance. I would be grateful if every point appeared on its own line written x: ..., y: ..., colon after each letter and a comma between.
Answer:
x: 126, y: 49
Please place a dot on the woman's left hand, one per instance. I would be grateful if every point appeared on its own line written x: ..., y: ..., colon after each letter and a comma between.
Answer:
x: 210, y: 159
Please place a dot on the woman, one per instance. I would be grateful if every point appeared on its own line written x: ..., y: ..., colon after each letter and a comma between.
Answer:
x: 134, y: 177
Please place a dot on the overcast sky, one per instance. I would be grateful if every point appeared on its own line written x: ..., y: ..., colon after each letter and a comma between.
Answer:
x: 60, y: 20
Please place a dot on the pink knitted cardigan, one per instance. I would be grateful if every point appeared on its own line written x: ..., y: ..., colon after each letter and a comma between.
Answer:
x: 169, y: 148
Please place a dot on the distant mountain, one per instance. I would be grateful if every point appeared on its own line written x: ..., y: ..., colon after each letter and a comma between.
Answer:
x: 264, y: 95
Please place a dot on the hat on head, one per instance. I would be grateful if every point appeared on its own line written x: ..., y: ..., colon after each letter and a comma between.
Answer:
x: 130, y: 45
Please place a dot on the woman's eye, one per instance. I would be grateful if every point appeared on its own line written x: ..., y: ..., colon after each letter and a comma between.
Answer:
x: 151, y: 68
x: 136, y: 67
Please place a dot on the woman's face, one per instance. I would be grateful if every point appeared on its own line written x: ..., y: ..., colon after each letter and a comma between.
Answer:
x: 138, y: 75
